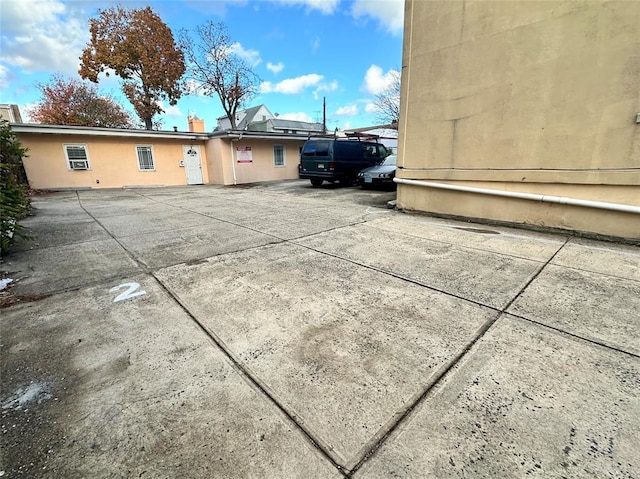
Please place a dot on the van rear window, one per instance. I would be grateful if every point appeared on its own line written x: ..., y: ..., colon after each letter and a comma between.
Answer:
x: 316, y: 148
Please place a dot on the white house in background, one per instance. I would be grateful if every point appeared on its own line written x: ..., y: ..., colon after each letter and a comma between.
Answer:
x: 259, y: 118
x: 245, y: 118
x: 276, y: 125
x: 11, y: 113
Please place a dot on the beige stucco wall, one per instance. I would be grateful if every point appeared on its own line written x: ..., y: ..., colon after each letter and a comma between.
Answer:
x: 113, y: 162
x: 218, y: 164
x: 524, y: 96
x: 261, y: 168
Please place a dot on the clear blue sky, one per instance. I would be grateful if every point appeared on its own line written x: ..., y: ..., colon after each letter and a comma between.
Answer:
x: 303, y: 50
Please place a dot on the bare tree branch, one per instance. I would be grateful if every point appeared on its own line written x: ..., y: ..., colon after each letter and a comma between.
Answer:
x: 216, y: 70
x: 387, y: 103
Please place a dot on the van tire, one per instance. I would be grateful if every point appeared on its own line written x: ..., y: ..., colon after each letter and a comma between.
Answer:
x: 346, y: 181
x: 315, y: 182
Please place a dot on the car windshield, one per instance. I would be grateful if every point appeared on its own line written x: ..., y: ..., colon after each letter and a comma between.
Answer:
x: 389, y: 160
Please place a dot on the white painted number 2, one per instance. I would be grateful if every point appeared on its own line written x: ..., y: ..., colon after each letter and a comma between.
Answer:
x: 129, y: 293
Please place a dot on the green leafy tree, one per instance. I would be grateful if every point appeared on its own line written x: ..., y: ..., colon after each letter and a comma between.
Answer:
x: 14, y: 201
x: 73, y: 102
x: 139, y: 47
x: 215, y: 70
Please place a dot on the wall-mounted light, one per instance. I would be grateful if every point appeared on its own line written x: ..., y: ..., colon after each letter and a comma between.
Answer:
x: 638, y: 118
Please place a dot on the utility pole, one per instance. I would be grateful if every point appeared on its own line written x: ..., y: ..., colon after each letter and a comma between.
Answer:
x: 324, y: 115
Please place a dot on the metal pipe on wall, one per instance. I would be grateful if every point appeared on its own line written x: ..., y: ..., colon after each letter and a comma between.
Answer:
x: 233, y: 161
x: 524, y: 196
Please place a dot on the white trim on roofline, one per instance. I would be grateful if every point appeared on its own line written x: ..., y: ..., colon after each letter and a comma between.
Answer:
x: 97, y: 131
x: 123, y: 132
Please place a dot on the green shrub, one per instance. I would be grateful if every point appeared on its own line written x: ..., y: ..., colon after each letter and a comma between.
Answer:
x: 14, y: 201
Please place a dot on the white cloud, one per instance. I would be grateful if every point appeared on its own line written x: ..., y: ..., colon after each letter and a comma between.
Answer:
x: 371, y: 108
x: 25, y: 111
x: 349, y: 110
x: 291, y: 86
x: 252, y: 57
x: 171, y: 110
x: 328, y: 87
x: 300, y: 116
x: 325, y: 88
x: 275, y: 67
x: 4, y: 76
x: 326, y: 7
x: 42, y: 35
x: 390, y: 13
x: 375, y: 81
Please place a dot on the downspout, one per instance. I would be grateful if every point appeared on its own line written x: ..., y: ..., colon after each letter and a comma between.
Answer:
x: 233, y: 162
x: 524, y: 196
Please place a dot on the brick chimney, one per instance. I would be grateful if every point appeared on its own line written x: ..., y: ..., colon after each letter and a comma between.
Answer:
x: 196, y: 125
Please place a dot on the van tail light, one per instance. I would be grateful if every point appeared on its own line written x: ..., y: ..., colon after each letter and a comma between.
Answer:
x: 332, y: 165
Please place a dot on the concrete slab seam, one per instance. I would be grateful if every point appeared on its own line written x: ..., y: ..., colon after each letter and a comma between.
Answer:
x: 148, y: 269
x: 144, y: 268
x: 213, y: 217
x: 535, y: 275
x: 37, y: 248
x: 468, y: 248
x: 448, y: 367
x: 139, y: 262
x: 421, y: 396
x: 255, y: 382
x: 404, y: 413
x: 397, y: 276
x: 575, y: 336
x: 591, y: 271
x: 240, y: 367
x: 92, y: 284
x: 280, y: 240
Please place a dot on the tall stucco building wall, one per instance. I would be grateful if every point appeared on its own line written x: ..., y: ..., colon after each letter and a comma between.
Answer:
x: 534, y: 97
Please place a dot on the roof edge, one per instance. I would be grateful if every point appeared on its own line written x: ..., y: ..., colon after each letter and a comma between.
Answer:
x: 99, y: 131
x: 130, y: 133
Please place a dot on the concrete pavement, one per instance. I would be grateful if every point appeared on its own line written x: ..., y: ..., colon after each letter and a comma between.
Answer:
x: 285, y: 331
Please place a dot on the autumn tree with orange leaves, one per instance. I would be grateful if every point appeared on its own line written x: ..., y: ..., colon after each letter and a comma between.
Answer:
x: 139, y: 47
x: 73, y: 102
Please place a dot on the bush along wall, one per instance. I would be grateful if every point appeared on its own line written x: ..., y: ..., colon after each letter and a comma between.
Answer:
x: 14, y: 200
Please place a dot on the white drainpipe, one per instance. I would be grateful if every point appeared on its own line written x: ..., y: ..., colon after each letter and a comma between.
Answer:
x: 524, y: 196
x: 233, y: 161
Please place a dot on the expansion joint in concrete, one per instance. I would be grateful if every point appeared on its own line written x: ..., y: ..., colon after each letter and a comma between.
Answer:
x: 324, y: 449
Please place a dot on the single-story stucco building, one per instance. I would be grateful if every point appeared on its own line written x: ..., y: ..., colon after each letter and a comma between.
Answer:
x: 72, y: 157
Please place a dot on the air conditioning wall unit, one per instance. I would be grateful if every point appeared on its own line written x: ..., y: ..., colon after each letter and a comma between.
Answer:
x: 79, y: 165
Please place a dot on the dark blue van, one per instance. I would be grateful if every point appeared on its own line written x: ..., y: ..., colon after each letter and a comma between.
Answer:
x: 337, y: 159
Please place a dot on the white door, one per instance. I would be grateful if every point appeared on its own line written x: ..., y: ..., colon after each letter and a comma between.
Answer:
x: 192, y: 164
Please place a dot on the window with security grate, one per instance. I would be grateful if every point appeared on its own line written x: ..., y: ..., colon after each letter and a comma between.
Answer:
x: 145, y: 158
x: 278, y: 155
